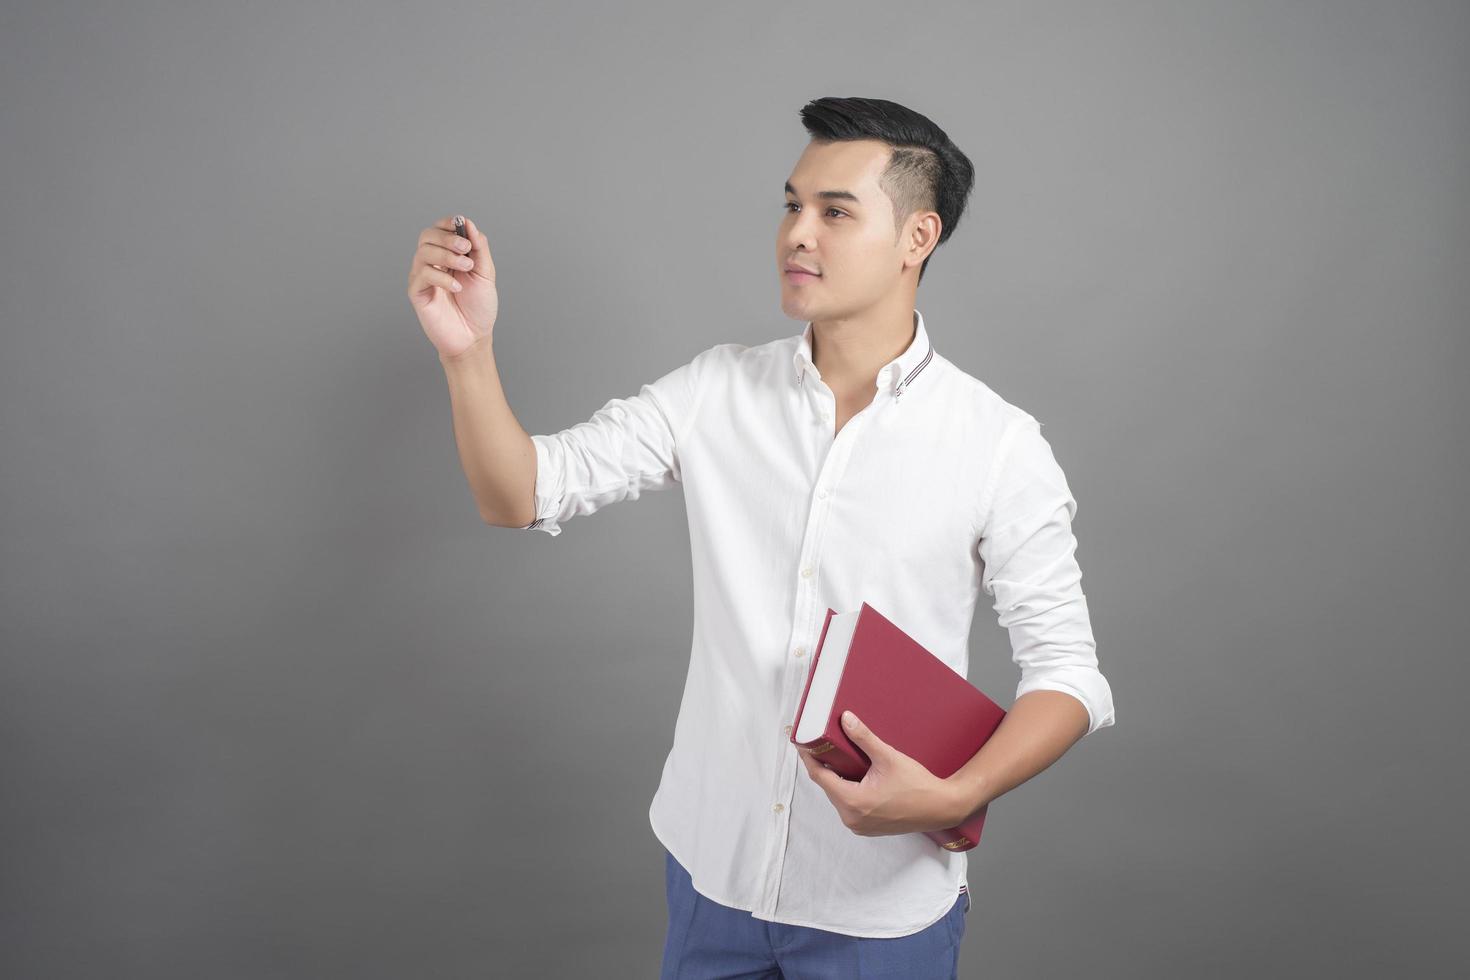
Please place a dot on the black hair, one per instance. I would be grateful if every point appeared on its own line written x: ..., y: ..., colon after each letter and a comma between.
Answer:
x: 925, y: 172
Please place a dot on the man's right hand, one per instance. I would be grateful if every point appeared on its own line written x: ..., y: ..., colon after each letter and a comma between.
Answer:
x: 453, y: 291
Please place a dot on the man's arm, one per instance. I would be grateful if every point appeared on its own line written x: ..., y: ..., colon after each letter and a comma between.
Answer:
x: 1029, y: 553
x: 537, y: 482
x: 1038, y: 730
x: 498, y: 456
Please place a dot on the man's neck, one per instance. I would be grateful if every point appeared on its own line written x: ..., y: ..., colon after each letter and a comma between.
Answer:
x: 849, y: 353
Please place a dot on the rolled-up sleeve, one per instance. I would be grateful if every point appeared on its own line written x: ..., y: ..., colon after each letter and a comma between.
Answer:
x: 1030, y: 568
x: 629, y: 445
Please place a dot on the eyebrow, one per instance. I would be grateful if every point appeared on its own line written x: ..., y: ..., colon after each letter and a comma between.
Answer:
x: 828, y: 195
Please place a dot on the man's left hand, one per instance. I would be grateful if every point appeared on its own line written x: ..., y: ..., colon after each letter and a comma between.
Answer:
x: 897, y: 795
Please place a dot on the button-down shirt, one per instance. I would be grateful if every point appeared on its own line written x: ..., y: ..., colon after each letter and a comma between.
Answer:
x: 937, y: 490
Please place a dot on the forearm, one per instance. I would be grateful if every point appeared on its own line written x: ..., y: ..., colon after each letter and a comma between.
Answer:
x: 1039, y: 728
x: 498, y: 456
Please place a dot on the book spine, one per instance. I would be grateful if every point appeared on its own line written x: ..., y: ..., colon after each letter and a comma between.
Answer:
x: 950, y: 839
x: 841, y: 758
x: 963, y: 836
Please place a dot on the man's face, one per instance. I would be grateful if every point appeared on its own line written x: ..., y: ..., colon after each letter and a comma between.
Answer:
x: 851, y: 243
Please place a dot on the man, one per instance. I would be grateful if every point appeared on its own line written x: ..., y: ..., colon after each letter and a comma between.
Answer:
x: 850, y: 463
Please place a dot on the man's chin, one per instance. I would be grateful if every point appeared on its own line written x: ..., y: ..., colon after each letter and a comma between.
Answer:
x: 797, y: 308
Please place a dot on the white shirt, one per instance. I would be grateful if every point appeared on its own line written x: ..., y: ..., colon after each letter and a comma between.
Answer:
x: 936, y: 490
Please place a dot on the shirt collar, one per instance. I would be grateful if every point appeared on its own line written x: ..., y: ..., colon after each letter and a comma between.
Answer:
x: 897, y: 375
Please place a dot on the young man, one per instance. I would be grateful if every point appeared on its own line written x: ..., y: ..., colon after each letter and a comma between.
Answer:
x: 849, y: 463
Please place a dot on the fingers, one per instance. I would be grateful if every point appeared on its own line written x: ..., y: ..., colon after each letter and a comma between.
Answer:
x: 447, y: 255
x: 440, y: 244
x: 426, y: 275
x: 440, y: 253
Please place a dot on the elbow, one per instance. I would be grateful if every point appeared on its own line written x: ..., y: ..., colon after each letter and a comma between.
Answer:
x: 500, y: 522
x: 1085, y: 683
x: 495, y: 519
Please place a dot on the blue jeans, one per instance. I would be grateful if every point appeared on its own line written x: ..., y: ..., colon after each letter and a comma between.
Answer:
x: 710, y: 941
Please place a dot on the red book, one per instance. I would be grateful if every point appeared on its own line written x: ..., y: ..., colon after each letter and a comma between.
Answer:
x: 907, y: 696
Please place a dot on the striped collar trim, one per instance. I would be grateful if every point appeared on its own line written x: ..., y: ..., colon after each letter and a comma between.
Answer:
x: 898, y: 374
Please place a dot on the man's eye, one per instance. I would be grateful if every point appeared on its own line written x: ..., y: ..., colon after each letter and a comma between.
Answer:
x: 790, y: 204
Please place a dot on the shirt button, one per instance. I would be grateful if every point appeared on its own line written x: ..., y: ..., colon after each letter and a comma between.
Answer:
x: 800, y: 651
x: 821, y: 493
x: 826, y: 417
x: 778, y: 807
x: 787, y: 729
x: 806, y: 572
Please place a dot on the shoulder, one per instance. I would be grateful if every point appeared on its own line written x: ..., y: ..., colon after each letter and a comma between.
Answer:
x: 751, y: 362
x: 722, y: 355
x: 994, y: 418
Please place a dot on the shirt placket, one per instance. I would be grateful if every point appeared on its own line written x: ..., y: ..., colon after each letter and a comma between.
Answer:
x: 808, y: 613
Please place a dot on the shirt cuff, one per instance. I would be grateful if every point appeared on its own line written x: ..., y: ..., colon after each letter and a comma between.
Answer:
x: 548, y: 485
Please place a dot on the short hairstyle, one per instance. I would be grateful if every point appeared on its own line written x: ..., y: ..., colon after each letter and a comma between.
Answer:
x: 925, y: 172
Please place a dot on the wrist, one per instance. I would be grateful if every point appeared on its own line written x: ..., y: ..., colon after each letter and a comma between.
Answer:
x: 473, y: 354
x: 967, y: 795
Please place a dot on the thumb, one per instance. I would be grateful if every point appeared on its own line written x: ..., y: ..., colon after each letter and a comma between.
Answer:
x: 861, y: 734
x: 480, y: 252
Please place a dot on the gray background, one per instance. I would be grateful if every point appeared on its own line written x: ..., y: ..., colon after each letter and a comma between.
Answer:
x: 276, y: 704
